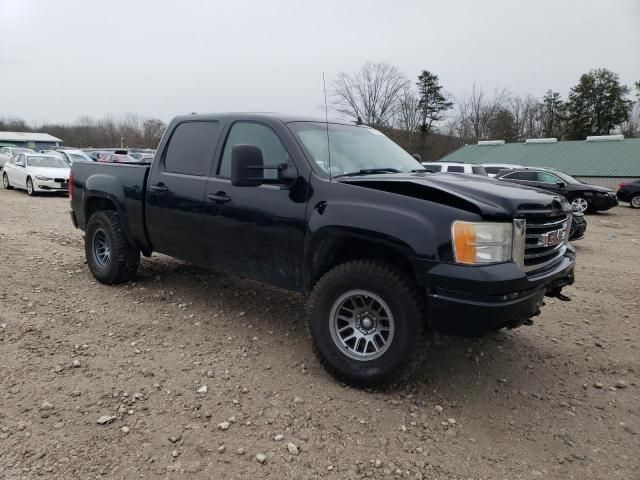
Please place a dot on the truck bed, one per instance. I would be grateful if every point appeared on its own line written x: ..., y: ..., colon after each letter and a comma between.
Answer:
x: 122, y: 185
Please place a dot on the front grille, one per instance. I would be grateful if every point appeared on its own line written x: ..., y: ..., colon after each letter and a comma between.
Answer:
x: 60, y: 180
x: 545, y: 241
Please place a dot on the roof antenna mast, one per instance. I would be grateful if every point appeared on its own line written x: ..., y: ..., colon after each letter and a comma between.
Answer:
x: 326, y: 121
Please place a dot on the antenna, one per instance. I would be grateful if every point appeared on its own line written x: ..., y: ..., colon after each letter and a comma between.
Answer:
x: 326, y: 121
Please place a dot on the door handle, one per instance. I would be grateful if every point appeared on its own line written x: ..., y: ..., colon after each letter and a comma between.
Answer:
x: 219, y: 197
x: 159, y: 188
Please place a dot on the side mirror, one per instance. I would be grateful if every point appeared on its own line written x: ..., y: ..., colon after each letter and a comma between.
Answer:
x: 560, y: 184
x: 417, y: 156
x: 19, y: 164
x: 247, y: 166
x: 247, y: 169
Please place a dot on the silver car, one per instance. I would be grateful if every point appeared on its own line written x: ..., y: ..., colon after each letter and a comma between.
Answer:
x: 7, y: 152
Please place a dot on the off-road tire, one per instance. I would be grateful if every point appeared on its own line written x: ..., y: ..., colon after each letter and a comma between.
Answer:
x: 124, y: 256
x: 406, y: 302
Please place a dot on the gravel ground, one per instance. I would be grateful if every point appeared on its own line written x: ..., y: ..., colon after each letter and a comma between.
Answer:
x: 198, y: 374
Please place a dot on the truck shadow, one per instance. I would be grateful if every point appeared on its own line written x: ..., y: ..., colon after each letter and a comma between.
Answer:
x: 465, y: 369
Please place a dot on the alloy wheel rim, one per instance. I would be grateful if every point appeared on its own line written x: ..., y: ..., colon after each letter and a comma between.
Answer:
x: 580, y: 204
x: 101, y: 248
x: 635, y: 201
x: 5, y: 181
x: 29, y: 186
x: 361, y: 325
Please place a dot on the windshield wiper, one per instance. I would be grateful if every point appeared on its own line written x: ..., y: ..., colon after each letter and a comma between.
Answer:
x: 368, y: 171
x: 422, y: 170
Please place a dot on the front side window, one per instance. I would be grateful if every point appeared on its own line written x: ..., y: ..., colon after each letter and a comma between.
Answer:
x: 191, y: 148
x: 544, y: 177
x: 353, y: 148
x: 249, y: 133
x: 479, y: 171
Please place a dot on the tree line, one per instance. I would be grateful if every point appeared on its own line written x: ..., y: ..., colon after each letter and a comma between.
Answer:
x: 126, y: 131
x: 424, y: 119
x: 419, y: 115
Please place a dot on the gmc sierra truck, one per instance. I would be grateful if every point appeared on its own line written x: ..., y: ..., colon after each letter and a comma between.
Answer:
x: 385, y: 250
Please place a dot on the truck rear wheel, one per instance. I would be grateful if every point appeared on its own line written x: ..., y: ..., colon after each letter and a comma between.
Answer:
x: 366, y: 320
x: 110, y: 255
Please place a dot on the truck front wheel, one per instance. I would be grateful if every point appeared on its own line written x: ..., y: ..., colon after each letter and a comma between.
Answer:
x: 366, y: 320
x: 110, y: 255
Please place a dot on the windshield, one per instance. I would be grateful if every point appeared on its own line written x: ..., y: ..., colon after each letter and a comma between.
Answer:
x: 46, y: 162
x: 566, y: 178
x: 353, y: 148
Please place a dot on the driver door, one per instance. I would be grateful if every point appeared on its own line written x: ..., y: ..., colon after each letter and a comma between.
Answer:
x: 18, y: 176
x: 256, y: 232
x: 548, y: 181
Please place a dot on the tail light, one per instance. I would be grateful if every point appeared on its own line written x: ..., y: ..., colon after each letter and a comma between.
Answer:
x: 622, y: 185
x: 71, y: 185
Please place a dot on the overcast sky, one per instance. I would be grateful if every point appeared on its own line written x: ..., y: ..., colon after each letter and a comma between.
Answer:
x: 65, y: 58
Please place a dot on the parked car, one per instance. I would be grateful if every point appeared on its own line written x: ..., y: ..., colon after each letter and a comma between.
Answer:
x: 97, y: 154
x: 492, y: 169
x: 36, y: 172
x: 7, y: 152
x: 629, y: 192
x: 578, y: 226
x: 383, y: 249
x: 450, y: 167
x: 139, y: 155
x: 117, y: 158
x: 583, y: 197
x: 70, y: 155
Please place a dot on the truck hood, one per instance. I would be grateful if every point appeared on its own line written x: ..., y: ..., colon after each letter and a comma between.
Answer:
x: 481, y: 195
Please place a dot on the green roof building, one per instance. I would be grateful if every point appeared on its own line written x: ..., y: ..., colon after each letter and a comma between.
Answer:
x: 604, y: 160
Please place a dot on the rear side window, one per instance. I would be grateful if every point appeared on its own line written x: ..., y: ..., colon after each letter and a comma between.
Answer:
x: 455, y: 169
x: 492, y: 170
x: 191, y: 148
x: 479, y: 171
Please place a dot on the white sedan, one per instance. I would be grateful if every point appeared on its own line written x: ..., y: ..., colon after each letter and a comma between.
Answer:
x: 35, y: 172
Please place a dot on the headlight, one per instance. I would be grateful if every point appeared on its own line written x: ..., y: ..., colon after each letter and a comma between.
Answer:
x: 43, y: 179
x: 482, y: 242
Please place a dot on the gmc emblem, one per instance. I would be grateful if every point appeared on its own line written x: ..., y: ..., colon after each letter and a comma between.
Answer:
x: 551, y: 239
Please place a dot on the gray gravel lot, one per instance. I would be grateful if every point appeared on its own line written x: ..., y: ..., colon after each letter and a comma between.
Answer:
x: 201, y: 375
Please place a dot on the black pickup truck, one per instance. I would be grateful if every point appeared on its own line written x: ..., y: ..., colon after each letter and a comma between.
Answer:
x: 385, y: 250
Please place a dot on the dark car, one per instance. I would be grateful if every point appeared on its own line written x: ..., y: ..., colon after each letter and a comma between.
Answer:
x: 630, y: 192
x: 583, y: 197
x: 385, y: 250
x: 578, y: 226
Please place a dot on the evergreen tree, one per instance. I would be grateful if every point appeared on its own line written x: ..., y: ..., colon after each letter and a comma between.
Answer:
x: 552, y: 115
x: 432, y: 103
x: 502, y: 126
x: 596, y: 105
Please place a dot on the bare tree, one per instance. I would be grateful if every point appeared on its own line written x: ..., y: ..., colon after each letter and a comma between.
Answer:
x: 371, y: 94
x: 407, y: 115
x: 526, y: 116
